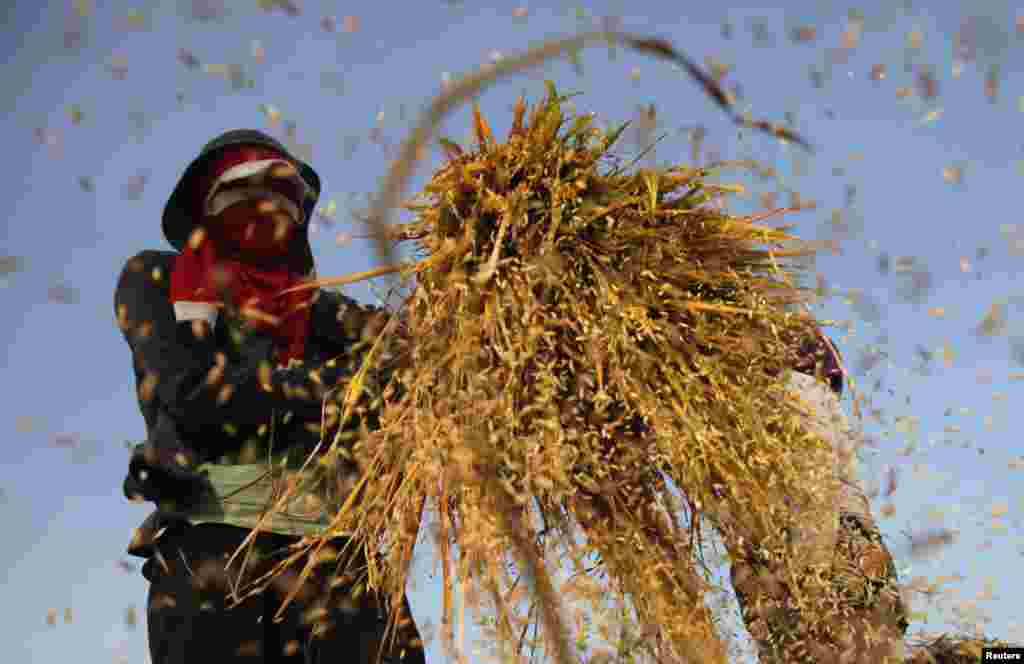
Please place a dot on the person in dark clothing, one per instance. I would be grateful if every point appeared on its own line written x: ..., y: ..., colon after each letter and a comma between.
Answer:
x: 840, y: 533
x: 238, y: 383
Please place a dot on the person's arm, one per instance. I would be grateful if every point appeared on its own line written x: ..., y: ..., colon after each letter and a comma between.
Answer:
x: 349, y: 328
x: 343, y: 322
x: 179, y: 365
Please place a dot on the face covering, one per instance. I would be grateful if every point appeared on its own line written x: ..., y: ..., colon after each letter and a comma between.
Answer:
x: 242, y: 254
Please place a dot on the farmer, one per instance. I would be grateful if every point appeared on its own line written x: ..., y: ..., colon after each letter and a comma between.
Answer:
x: 870, y: 618
x: 832, y: 546
x: 235, y: 384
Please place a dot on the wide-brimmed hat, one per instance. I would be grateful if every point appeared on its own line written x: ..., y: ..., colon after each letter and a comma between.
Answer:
x: 180, y: 217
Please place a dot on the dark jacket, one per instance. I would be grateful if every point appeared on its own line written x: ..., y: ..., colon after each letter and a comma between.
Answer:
x: 211, y: 424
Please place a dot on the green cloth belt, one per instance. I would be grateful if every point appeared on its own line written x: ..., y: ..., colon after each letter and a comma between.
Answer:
x: 242, y: 493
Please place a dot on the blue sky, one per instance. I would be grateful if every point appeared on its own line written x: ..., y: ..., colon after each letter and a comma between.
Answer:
x: 68, y: 406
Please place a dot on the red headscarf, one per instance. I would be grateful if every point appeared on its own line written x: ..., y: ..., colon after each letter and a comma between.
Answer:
x: 223, y: 260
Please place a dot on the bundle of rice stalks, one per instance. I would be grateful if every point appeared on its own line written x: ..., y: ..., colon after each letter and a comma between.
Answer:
x: 949, y: 649
x: 581, y: 340
x: 579, y: 335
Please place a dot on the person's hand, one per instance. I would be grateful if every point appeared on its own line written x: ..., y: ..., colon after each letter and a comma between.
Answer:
x: 165, y: 476
x: 332, y: 373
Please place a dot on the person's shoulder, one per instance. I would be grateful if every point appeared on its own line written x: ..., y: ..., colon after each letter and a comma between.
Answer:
x: 147, y: 260
x: 148, y: 267
x: 143, y: 286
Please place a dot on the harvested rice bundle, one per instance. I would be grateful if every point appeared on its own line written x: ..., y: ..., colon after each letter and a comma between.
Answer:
x: 579, y: 334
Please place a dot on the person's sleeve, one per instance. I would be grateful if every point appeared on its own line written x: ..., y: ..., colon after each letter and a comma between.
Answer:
x: 349, y: 329
x: 344, y: 323
x: 197, y: 385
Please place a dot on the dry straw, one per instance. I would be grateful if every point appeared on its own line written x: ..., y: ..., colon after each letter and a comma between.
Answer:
x: 580, y: 340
